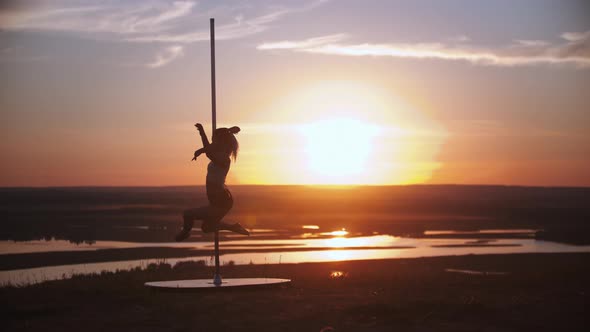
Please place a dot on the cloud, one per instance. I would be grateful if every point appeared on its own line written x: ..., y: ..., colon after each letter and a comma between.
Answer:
x: 240, y: 27
x: 305, y: 44
x: 156, y: 21
x: 574, y: 49
x: 531, y: 43
x: 147, y: 22
x: 166, y: 56
x: 112, y: 17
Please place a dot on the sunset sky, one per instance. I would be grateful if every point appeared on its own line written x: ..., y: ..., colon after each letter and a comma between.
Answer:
x: 326, y: 92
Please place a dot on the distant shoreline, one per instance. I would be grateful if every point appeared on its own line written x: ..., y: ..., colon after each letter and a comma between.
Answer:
x: 10, y: 262
x: 326, y: 186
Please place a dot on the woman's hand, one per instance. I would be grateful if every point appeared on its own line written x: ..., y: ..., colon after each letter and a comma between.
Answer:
x: 202, y: 134
x: 197, y: 153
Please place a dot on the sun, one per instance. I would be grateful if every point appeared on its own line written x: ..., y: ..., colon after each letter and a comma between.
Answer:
x: 339, y: 150
x: 342, y: 133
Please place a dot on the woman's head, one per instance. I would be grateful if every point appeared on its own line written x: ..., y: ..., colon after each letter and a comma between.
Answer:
x: 226, y: 139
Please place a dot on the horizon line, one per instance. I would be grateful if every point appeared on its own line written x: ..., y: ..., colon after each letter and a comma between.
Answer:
x: 335, y: 186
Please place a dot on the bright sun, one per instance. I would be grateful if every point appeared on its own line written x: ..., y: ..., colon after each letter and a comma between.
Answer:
x: 342, y: 133
x: 339, y: 150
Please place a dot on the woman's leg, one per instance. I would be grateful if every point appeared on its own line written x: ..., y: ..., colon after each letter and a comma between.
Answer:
x: 214, y: 223
x: 189, y: 217
x: 217, y: 210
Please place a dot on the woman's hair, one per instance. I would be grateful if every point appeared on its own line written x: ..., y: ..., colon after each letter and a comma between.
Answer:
x: 227, y: 139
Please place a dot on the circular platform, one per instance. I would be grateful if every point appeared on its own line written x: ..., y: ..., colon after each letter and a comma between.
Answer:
x: 208, y: 283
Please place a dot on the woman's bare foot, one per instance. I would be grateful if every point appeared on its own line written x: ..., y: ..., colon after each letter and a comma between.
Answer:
x: 183, y: 235
x: 237, y: 228
x: 186, y: 230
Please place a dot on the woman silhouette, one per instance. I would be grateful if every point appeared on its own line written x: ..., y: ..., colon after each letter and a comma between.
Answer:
x: 223, y: 146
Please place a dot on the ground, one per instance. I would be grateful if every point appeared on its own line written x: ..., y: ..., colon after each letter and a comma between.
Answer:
x: 539, y: 292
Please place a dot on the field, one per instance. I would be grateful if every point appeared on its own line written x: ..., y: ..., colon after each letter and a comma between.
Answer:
x: 532, y: 292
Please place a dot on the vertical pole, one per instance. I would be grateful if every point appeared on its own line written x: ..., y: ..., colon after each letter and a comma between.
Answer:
x: 213, y: 99
x: 217, y: 278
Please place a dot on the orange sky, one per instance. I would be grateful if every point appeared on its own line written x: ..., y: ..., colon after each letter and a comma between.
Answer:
x: 326, y: 92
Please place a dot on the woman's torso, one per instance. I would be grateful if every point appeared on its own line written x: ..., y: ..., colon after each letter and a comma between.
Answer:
x: 217, y: 192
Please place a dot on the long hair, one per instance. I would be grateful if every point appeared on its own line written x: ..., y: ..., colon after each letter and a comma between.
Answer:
x: 227, y: 139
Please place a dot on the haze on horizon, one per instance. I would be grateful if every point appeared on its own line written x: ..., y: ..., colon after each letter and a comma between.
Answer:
x: 326, y: 92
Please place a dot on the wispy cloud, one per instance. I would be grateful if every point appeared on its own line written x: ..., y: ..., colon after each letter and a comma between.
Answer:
x: 166, y: 56
x: 153, y: 21
x: 240, y: 27
x: 112, y: 17
x: 156, y: 21
x: 304, y: 44
x: 573, y: 49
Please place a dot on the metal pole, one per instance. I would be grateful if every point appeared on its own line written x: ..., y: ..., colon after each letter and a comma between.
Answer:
x: 213, y: 101
x: 217, y: 278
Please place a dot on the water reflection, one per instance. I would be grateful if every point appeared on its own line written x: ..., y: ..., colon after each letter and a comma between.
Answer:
x: 338, y: 275
x: 52, y: 245
x: 277, y: 251
x: 482, y: 231
x: 341, y: 232
x: 364, y: 241
x: 310, y: 227
x: 378, y: 241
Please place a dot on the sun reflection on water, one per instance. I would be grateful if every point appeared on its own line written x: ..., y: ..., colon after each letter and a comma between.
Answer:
x: 348, y: 242
x: 341, y: 232
x: 310, y: 227
x: 334, y: 249
x: 338, y: 275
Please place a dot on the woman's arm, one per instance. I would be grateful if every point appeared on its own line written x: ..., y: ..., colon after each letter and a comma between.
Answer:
x: 198, y: 153
x: 203, y: 134
x: 216, y: 156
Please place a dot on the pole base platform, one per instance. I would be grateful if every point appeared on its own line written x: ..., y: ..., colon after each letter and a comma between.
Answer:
x: 196, y: 284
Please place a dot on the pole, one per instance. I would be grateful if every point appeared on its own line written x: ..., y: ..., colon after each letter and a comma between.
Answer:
x: 213, y: 101
x: 217, y: 278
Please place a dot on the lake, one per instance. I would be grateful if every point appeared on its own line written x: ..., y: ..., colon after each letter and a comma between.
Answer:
x: 279, y: 251
x: 291, y: 224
